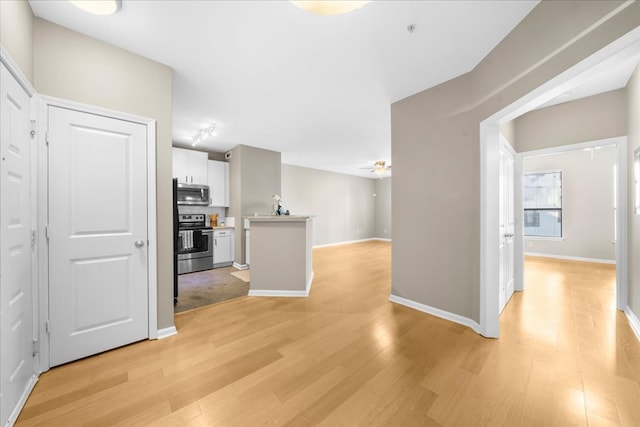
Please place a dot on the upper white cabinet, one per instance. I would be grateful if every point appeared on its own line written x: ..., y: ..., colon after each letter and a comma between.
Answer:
x: 218, y: 173
x: 189, y: 166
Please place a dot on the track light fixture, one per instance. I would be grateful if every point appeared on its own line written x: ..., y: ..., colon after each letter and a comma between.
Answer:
x: 204, y: 134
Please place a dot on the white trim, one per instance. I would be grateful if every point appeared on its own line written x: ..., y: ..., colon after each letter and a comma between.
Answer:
x: 238, y: 266
x: 633, y: 321
x: 152, y: 227
x: 452, y: 317
x: 348, y: 242
x: 544, y: 238
x: 166, y: 332
x: 13, y: 417
x: 310, y: 282
x: 43, y: 244
x: 13, y: 68
x: 621, y: 49
x: 606, y: 142
x: 281, y: 293
x: 267, y: 293
x: 621, y: 243
x: 489, y: 226
x: 571, y: 258
x: 152, y: 294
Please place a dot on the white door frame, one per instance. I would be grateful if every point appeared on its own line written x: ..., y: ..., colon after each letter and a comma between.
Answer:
x: 625, y: 47
x: 45, y: 103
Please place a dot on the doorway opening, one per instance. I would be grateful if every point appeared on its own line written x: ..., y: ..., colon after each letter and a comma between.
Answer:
x: 569, y: 255
x: 622, y: 51
x: 203, y: 288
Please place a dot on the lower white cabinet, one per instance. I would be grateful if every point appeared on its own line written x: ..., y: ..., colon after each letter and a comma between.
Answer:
x: 222, y: 248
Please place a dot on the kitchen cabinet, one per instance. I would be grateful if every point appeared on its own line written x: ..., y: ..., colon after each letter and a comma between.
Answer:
x: 189, y: 166
x: 222, y: 248
x: 218, y: 176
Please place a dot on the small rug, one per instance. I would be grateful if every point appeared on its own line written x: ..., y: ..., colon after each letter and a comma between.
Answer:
x: 208, y: 287
x: 243, y: 275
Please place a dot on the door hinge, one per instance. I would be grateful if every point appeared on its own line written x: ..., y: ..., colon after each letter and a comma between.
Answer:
x: 47, y: 326
x: 35, y: 348
x: 33, y: 129
x: 46, y: 231
x: 46, y: 137
x: 34, y: 238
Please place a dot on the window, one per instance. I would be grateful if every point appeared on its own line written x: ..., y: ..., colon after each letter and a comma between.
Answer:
x: 543, y: 204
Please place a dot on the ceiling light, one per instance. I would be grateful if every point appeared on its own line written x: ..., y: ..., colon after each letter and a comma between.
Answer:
x: 98, y: 7
x: 204, y: 134
x: 380, y: 167
x: 329, y: 7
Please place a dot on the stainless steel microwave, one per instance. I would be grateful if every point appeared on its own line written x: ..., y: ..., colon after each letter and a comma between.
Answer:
x: 193, y: 194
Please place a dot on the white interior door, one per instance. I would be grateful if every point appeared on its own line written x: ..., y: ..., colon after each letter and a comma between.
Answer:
x: 98, y: 277
x: 16, y: 303
x: 507, y: 225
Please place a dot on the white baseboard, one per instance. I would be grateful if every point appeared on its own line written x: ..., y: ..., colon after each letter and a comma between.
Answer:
x: 633, y: 321
x: 267, y: 293
x: 347, y: 242
x: 167, y: 332
x: 20, y: 404
x: 436, y: 312
x: 280, y: 293
x: 240, y: 266
x: 571, y: 258
x: 310, y: 282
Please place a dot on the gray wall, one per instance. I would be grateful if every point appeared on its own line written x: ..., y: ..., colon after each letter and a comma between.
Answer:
x: 261, y: 179
x: 344, y: 205
x: 587, y: 119
x: 16, y: 33
x: 436, y: 147
x: 588, y: 217
x: 254, y: 177
x: 383, y: 208
x: 72, y: 66
x: 633, y: 141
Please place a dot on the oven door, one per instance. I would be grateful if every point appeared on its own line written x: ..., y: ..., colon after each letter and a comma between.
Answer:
x: 195, y: 250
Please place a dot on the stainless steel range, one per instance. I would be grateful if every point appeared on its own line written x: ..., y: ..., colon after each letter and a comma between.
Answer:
x: 195, y: 244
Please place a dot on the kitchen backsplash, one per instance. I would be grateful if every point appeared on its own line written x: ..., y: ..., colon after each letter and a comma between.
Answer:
x: 207, y: 210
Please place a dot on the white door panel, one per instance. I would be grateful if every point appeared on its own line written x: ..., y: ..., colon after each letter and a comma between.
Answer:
x: 506, y: 226
x: 16, y: 304
x: 98, y: 234
x: 510, y: 224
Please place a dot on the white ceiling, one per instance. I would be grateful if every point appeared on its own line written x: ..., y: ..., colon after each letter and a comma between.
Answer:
x: 600, y: 79
x: 316, y: 88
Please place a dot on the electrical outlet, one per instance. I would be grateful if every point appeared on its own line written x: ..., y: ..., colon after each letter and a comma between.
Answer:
x: 530, y: 243
x: 385, y: 231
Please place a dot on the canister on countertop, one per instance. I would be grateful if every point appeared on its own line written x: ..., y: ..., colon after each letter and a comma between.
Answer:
x: 214, y: 220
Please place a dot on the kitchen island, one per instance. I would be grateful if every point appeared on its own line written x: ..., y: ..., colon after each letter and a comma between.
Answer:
x: 281, y: 255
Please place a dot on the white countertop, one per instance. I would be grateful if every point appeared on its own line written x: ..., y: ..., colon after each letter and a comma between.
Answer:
x: 278, y: 218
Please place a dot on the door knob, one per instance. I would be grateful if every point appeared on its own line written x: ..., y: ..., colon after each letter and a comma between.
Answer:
x: 139, y: 243
x: 507, y: 235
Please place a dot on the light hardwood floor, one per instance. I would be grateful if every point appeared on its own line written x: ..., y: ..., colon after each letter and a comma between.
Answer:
x: 346, y: 356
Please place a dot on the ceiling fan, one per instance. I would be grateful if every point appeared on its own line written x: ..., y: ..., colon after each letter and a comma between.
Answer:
x: 380, y: 167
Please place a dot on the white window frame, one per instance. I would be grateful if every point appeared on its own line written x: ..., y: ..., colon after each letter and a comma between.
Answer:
x: 561, y: 209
